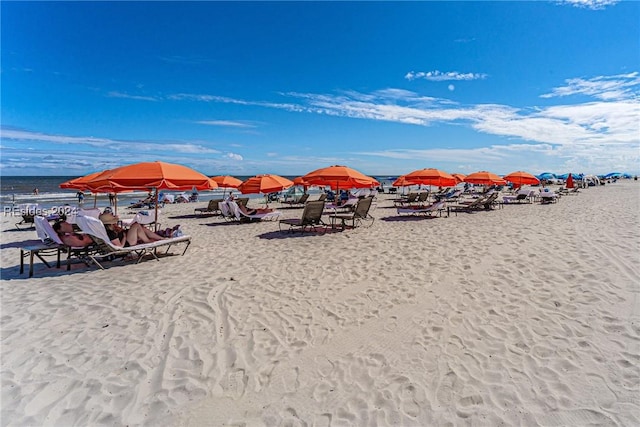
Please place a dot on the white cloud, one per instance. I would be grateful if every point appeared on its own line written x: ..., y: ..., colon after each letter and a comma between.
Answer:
x: 439, y: 76
x: 115, y: 94
x: 234, y: 156
x: 589, y: 4
x: 226, y: 123
x: 607, y: 88
x: 105, y: 145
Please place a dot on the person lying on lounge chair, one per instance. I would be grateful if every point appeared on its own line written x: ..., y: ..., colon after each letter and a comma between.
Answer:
x: 248, y: 211
x: 136, y: 234
x: 69, y: 237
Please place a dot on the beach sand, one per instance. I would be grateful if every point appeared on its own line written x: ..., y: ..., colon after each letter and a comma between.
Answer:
x: 526, y: 315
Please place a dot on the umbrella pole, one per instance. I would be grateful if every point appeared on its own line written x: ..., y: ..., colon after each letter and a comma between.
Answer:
x: 95, y: 200
x: 155, y: 222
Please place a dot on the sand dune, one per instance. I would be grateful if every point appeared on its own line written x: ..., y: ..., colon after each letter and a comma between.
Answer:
x: 526, y: 315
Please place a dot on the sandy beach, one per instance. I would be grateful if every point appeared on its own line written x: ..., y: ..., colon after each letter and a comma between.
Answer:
x: 526, y: 315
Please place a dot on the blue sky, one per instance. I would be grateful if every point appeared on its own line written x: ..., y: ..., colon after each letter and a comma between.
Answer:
x: 288, y: 87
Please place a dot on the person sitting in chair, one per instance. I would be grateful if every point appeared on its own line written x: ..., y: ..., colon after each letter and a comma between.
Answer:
x: 69, y: 237
x: 136, y: 234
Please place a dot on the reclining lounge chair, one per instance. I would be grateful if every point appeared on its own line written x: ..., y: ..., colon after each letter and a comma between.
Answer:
x: 241, y: 216
x: 106, y: 249
x: 212, y: 208
x: 311, y: 217
x: 297, y: 203
x: 360, y: 214
x: 437, y: 207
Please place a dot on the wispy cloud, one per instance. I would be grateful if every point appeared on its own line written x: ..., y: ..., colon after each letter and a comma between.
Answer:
x: 228, y: 100
x: 107, y: 145
x: 611, y: 120
x: 589, y: 4
x: 116, y: 94
x: 607, y: 88
x: 234, y: 156
x: 439, y: 76
x: 226, y: 123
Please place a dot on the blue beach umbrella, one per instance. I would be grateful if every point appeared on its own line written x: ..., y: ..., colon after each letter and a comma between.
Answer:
x: 613, y: 175
x: 546, y: 175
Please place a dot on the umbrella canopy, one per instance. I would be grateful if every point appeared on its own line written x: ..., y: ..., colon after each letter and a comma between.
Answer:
x: 431, y: 176
x: 613, y: 175
x: 159, y: 175
x: 264, y: 184
x: 522, y: 178
x: 485, y: 178
x: 338, y: 176
x: 569, y: 183
x: 299, y: 180
x: 401, y: 181
x: 546, y: 175
x: 226, y: 181
x: 459, y: 177
x: 80, y: 183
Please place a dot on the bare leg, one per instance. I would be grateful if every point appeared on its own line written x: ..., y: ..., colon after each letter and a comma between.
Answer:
x: 151, y: 235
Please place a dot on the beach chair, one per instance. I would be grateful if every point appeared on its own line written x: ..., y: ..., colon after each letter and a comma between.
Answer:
x: 437, y: 207
x: 348, y: 206
x: 310, y: 219
x: 44, y: 248
x: 225, y: 211
x: 521, y: 196
x: 28, y: 213
x: 107, y: 250
x: 297, y: 203
x: 422, y: 198
x: 403, y: 201
x: 47, y: 234
x: 212, y: 208
x: 149, y: 219
x: 547, y: 197
x: 241, y: 216
x: 357, y: 217
x: 242, y: 201
x: 474, y: 205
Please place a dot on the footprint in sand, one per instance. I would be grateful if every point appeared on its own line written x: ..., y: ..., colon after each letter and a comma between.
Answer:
x: 234, y: 384
x: 447, y: 388
x: 409, y: 400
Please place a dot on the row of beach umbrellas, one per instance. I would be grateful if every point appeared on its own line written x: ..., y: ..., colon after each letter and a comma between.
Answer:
x: 160, y: 175
x: 167, y: 176
x: 436, y: 177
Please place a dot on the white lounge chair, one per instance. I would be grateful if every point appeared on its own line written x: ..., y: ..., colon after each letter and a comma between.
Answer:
x: 240, y: 215
x: 437, y: 207
x: 95, y: 228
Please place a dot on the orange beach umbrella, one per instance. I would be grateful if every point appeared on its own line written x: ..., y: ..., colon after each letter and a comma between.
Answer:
x: 299, y: 180
x: 522, y: 178
x: 338, y: 176
x: 146, y: 175
x: 80, y: 183
x: 227, y: 181
x: 431, y: 176
x: 485, y: 178
x: 459, y: 177
x: 264, y: 184
x: 401, y: 181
